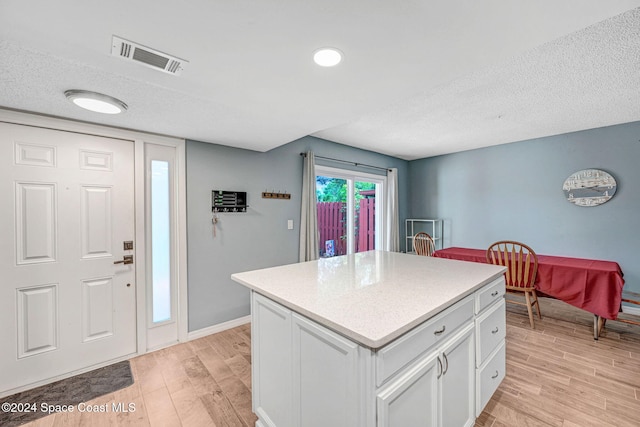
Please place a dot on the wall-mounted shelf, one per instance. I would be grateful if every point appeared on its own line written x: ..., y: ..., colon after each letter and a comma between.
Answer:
x: 433, y: 227
x: 276, y: 195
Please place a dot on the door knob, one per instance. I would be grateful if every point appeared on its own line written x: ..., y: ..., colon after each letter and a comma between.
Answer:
x: 127, y: 259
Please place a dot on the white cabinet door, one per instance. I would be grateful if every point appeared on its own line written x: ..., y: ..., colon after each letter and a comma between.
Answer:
x: 271, y: 355
x: 411, y: 400
x: 437, y: 391
x: 326, y: 382
x: 457, y: 383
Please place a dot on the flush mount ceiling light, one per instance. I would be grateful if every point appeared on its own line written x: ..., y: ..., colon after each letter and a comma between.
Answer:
x: 327, y: 57
x: 97, y: 102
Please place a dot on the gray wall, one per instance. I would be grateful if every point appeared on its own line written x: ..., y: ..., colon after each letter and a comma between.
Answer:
x: 258, y: 238
x: 514, y: 191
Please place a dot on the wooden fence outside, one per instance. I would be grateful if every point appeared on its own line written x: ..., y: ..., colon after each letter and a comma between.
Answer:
x: 366, y: 226
x: 332, y: 225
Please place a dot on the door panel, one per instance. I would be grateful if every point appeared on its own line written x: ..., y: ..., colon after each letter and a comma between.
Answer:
x: 35, y: 155
x: 93, y: 160
x: 68, y: 205
x: 95, y: 208
x: 37, y: 320
x: 97, y: 308
x: 411, y: 400
x: 325, y: 377
x: 35, y: 222
x: 271, y: 350
x: 458, y: 380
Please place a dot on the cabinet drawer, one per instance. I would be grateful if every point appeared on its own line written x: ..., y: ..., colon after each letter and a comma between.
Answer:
x: 393, y: 357
x: 490, y: 293
x: 489, y: 378
x: 490, y: 331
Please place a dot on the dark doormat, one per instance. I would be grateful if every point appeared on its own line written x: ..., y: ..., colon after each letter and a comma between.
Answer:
x: 29, y: 405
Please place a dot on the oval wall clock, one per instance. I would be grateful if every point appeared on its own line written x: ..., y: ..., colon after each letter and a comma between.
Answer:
x: 589, y: 187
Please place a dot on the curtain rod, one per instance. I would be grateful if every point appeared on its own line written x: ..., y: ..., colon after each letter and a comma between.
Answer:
x: 346, y: 161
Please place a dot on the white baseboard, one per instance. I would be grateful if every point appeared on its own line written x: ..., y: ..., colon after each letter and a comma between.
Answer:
x: 631, y: 309
x: 218, y: 328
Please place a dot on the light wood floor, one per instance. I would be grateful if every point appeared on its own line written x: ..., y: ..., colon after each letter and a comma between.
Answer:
x: 557, y: 375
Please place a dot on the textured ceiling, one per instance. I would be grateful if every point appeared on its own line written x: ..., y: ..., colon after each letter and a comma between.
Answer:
x: 420, y: 78
x: 588, y: 79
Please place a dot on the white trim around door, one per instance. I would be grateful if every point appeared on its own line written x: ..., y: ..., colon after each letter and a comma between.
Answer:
x: 140, y: 247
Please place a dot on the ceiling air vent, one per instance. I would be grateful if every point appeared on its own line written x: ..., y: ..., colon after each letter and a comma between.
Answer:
x: 150, y: 57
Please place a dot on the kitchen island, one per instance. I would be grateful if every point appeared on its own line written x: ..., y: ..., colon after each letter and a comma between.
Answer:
x: 375, y: 339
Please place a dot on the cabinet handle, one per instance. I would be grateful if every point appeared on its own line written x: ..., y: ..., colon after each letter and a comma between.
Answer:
x: 439, y: 368
x: 494, y: 293
x: 495, y: 331
x: 444, y: 355
x: 440, y: 331
x: 493, y: 377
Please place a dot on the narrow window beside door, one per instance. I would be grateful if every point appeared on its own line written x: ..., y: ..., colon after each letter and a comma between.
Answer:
x: 160, y: 241
x: 161, y: 283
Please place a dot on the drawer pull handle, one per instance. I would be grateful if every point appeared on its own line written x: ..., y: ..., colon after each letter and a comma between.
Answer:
x: 494, y: 293
x: 440, y: 331
x: 493, y: 377
x: 495, y: 331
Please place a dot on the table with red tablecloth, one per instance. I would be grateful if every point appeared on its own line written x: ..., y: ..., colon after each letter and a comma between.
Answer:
x: 592, y: 285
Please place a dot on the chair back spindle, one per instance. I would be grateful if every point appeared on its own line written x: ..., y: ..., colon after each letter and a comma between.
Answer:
x: 522, y: 266
x: 521, y: 262
x: 423, y: 244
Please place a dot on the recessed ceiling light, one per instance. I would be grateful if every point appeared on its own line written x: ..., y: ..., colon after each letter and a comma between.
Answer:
x: 96, y: 102
x: 327, y: 56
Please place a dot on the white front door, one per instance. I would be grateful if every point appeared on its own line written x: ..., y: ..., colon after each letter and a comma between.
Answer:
x: 67, y: 207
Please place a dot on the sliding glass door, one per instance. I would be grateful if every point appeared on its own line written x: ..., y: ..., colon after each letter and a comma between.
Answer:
x: 350, y: 210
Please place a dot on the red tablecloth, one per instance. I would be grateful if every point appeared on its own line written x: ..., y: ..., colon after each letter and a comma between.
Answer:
x: 592, y: 285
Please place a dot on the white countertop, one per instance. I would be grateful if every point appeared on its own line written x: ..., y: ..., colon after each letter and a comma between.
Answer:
x: 370, y: 297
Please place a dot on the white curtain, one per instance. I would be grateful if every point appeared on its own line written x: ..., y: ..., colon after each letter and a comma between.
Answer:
x: 392, y: 226
x: 309, y: 211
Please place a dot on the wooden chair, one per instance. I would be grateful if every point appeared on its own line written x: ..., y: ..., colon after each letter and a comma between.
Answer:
x: 423, y: 244
x: 522, y: 266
